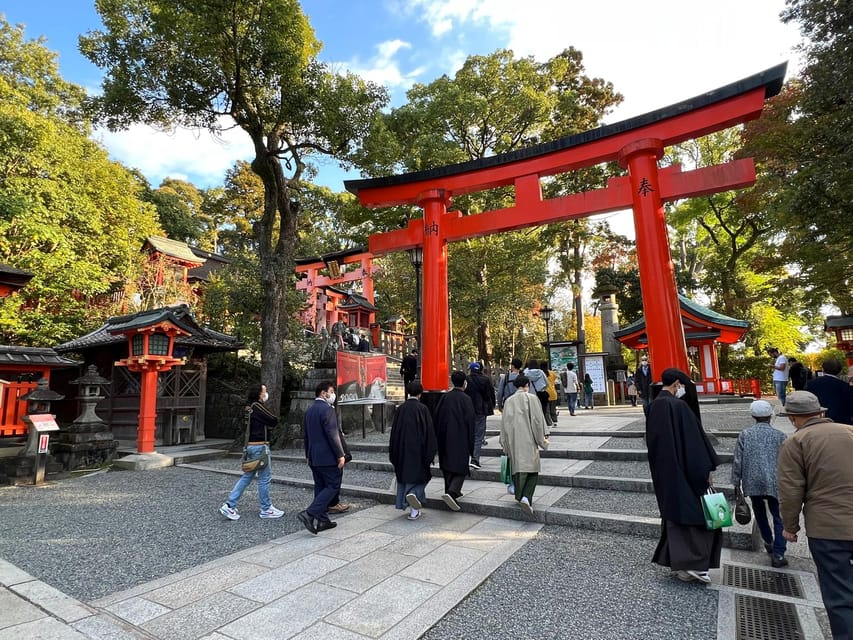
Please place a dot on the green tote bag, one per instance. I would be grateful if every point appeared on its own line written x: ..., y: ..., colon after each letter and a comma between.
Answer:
x: 715, y: 506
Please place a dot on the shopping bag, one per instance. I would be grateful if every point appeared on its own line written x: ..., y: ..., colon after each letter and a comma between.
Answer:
x: 743, y: 514
x: 716, y: 508
x: 506, y: 470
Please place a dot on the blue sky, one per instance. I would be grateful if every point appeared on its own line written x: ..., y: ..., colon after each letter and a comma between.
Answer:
x: 655, y: 53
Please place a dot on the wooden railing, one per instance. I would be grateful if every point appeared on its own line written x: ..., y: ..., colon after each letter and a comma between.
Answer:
x: 12, y: 408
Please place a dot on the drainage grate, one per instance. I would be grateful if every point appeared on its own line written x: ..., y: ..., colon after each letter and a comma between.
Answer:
x: 775, y: 582
x: 763, y: 619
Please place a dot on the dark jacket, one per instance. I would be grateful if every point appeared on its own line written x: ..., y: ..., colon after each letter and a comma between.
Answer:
x: 482, y: 394
x: 409, y: 367
x: 454, y: 429
x: 834, y: 394
x: 322, y: 437
x: 412, y: 445
x: 260, y: 422
x: 643, y: 382
x: 680, y: 459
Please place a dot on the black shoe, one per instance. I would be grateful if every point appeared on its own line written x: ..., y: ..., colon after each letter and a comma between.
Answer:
x: 474, y: 464
x: 768, y: 547
x: 778, y: 562
x: 328, y: 524
x: 309, y: 522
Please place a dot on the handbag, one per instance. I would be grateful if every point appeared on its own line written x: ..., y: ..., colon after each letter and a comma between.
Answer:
x: 506, y: 469
x: 716, y: 508
x: 255, y: 464
x: 743, y: 514
x: 345, y: 446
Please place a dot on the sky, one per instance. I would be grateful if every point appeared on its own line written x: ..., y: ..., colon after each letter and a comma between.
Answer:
x: 655, y: 53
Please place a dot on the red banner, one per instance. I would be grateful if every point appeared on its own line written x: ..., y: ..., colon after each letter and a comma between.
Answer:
x: 361, y: 377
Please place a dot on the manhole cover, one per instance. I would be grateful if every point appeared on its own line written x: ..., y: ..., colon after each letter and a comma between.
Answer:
x: 763, y: 619
x: 764, y: 580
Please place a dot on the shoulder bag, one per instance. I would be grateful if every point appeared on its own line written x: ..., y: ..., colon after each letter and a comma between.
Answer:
x: 255, y: 464
x: 743, y: 514
x: 716, y: 508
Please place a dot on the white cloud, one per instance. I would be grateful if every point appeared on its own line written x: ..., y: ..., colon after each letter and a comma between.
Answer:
x: 198, y: 156
x: 384, y: 68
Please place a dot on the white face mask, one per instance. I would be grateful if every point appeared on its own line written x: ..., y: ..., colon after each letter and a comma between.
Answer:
x: 331, y: 398
x: 680, y: 392
x: 264, y: 396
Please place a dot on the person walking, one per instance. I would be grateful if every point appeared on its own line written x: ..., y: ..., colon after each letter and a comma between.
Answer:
x: 409, y: 368
x: 755, y: 458
x: 833, y: 393
x: 454, y: 430
x: 506, y: 388
x: 551, y: 415
x: 260, y: 421
x: 522, y: 435
x: 482, y: 394
x: 798, y: 374
x: 780, y: 373
x: 643, y: 380
x: 588, y: 399
x: 816, y: 478
x: 681, y: 460
x: 631, y: 390
x: 538, y: 385
x: 411, y: 450
x: 326, y: 457
x: 572, y: 387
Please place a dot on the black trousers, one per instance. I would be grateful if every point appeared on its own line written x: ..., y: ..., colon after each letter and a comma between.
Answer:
x: 327, y: 487
x: 833, y: 559
x: 453, y: 483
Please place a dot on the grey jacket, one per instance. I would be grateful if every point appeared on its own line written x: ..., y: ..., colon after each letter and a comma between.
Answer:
x: 756, y: 455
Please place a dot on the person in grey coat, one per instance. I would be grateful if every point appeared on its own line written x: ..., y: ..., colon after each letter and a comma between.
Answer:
x: 756, y: 455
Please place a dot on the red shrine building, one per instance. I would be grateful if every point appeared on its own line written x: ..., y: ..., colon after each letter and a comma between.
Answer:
x: 704, y: 329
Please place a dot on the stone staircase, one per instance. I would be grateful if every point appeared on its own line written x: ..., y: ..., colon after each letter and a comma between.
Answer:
x: 594, y: 475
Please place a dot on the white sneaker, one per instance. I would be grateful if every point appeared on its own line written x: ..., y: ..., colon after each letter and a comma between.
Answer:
x: 414, y: 515
x: 450, y: 502
x: 701, y: 576
x: 525, y: 505
x: 228, y: 512
x: 272, y: 512
x: 413, y: 501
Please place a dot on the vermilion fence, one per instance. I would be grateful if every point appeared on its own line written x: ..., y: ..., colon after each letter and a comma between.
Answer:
x: 12, y: 408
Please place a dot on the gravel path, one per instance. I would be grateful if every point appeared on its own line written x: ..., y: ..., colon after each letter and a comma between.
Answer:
x: 572, y: 584
x: 602, y: 501
x: 99, y: 534
x: 724, y: 445
x: 618, y: 469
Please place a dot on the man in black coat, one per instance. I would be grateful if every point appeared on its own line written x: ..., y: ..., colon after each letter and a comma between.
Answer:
x: 833, y: 393
x: 643, y: 381
x: 482, y: 394
x: 325, y: 454
x: 681, y: 460
x: 411, y: 449
x: 409, y: 368
x: 454, y: 428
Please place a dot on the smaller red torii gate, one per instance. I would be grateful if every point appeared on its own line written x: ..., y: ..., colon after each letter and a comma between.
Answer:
x: 637, y: 144
x: 310, y: 279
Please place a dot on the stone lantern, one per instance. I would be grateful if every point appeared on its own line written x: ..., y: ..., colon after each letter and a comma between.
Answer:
x: 40, y: 423
x: 88, y: 441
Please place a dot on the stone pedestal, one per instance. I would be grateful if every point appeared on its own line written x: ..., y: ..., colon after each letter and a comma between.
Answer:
x: 144, y: 461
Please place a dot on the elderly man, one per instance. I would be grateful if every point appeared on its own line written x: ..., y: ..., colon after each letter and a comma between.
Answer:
x: 815, y: 476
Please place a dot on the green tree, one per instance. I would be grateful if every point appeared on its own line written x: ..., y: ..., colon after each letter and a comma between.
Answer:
x: 67, y: 213
x: 179, y: 208
x: 218, y: 63
x: 817, y: 197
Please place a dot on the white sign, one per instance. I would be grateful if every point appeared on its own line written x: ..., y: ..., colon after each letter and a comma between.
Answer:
x: 594, y: 366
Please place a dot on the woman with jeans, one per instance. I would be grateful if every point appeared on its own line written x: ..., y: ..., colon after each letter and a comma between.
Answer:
x: 260, y: 422
x: 587, y: 392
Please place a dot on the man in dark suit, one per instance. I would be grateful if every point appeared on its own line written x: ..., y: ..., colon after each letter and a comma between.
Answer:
x: 833, y: 393
x: 409, y: 368
x: 325, y: 454
x: 643, y: 382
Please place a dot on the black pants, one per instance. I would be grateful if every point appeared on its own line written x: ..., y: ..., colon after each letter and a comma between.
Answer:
x: 835, y: 575
x: 453, y: 483
x: 543, y: 400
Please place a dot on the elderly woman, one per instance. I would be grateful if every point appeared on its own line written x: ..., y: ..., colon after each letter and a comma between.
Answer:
x: 522, y: 435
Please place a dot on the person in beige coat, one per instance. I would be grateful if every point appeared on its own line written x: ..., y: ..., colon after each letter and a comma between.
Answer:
x: 522, y: 435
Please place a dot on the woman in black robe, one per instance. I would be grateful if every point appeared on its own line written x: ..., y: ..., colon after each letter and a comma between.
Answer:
x: 681, y: 460
x: 412, y: 448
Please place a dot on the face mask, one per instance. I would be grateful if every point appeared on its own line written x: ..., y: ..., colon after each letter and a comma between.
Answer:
x: 265, y: 396
x: 680, y: 392
x: 331, y: 398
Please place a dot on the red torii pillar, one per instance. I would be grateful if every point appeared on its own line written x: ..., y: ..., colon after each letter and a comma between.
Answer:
x: 637, y: 144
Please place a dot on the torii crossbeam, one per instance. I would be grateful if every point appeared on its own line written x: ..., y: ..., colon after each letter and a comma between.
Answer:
x: 637, y: 144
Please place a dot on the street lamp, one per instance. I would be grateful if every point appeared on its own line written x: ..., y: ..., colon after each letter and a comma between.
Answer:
x: 545, y: 313
x: 416, y: 256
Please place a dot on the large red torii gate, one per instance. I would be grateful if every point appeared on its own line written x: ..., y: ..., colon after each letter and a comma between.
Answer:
x: 636, y: 144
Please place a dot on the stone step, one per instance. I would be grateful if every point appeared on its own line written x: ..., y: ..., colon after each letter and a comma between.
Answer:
x: 575, y: 506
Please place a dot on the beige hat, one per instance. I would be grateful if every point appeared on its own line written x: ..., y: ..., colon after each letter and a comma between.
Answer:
x: 801, y: 403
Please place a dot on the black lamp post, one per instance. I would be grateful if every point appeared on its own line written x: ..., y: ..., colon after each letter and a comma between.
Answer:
x: 416, y: 255
x: 545, y: 313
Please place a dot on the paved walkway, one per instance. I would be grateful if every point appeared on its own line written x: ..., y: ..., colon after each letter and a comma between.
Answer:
x: 377, y: 575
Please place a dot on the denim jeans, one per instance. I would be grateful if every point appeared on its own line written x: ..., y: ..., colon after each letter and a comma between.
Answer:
x: 780, y: 387
x: 402, y: 489
x: 479, y: 434
x: 588, y: 400
x: 573, y: 400
x: 770, y: 537
x: 264, y: 475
